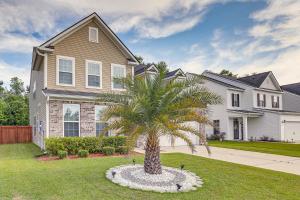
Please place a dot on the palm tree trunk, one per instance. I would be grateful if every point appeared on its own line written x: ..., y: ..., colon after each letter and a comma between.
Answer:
x: 152, y: 158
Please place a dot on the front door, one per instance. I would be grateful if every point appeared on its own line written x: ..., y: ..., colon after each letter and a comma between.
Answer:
x: 236, y: 129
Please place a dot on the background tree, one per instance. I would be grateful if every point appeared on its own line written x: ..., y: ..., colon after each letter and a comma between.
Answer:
x: 227, y: 73
x: 14, y: 107
x: 140, y: 59
x: 16, y: 86
x: 162, y: 65
x: 153, y: 107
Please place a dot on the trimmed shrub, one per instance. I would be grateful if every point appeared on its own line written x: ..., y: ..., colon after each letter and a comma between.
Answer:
x: 73, y: 144
x: 83, y: 153
x: 108, y: 150
x: 62, y: 154
x: 122, y: 149
x: 114, y: 141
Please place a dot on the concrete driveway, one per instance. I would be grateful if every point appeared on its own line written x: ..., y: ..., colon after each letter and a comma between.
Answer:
x: 267, y: 161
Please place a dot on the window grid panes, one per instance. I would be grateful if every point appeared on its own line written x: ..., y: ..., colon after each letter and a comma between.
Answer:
x: 71, y: 120
x: 100, y: 125
x: 118, y: 74
x: 93, y: 70
x: 65, y: 71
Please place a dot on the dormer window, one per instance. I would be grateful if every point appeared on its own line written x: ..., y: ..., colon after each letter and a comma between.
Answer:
x: 275, y: 102
x: 261, y: 100
x: 93, y: 34
x: 235, y: 100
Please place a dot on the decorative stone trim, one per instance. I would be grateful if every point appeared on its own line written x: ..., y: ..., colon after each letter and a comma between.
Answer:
x: 171, y: 179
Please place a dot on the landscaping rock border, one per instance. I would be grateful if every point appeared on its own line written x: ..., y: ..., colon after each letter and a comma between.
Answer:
x: 171, y: 179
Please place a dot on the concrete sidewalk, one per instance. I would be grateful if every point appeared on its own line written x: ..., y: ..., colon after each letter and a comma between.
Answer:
x: 267, y: 161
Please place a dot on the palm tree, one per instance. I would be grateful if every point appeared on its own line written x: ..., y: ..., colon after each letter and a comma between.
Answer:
x: 154, y: 106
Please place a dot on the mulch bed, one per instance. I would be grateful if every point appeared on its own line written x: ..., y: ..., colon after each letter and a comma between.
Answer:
x: 92, y: 155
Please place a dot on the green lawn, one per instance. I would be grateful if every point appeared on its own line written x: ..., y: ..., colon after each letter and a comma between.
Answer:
x: 24, y: 178
x: 286, y: 149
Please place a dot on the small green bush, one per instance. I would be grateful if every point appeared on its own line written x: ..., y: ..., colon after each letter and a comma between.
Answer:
x: 83, y: 153
x: 62, y: 154
x: 73, y: 144
x: 114, y: 141
x: 122, y: 149
x: 108, y: 150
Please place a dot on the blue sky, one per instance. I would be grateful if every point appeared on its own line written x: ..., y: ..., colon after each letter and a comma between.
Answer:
x: 242, y: 36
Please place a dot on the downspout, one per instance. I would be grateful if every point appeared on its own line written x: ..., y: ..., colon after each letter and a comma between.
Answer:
x: 46, y: 134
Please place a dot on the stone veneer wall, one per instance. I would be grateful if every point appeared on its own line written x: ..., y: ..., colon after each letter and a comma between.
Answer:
x: 87, y: 118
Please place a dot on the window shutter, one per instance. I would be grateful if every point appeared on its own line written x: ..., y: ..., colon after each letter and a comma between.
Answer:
x: 232, y: 100
x: 258, y: 100
x: 272, y: 97
x: 278, y: 102
x: 264, y: 100
x: 238, y: 100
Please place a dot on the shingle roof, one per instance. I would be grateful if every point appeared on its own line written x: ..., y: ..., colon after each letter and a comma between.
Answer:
x: 293, y: 88
x: 255, y: 80
x: 141, y: 68
x: 173, y: 73
x: 222, y: 83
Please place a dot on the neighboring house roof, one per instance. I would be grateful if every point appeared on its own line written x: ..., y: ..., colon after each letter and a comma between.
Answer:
x: 141, y: 68
x: 176, y: 72
x: 255, y: 80
x: 222, y: 83
x: 292, y: 88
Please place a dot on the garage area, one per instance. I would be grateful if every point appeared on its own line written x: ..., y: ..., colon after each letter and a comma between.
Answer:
x: 291, y: 127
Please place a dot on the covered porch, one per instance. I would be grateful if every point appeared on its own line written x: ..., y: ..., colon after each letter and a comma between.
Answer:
x: 238, y: 123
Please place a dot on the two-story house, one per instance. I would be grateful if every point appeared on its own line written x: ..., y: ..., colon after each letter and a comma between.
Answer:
x: 70, y: 70
x: 253, y: 107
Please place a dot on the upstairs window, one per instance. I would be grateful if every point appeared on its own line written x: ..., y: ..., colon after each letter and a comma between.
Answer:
x: 93, y: 34
x: 117, y: 73
x: 235, y: 100
x: 261, y: 100
x: 93, y: 74
x: 275, y: 102
x: 100, y: 124
x: 71, y: 120
x: 65, y: 71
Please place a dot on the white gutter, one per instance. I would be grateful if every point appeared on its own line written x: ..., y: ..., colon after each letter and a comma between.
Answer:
x: 45, y: 55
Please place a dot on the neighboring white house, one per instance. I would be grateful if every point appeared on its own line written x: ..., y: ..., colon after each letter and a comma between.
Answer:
x: 253, y: 106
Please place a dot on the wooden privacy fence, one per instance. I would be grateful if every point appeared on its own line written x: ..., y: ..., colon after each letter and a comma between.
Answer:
x: 15, y: 134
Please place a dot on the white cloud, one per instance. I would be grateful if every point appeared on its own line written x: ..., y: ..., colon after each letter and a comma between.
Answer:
x: 17, y: 43
x: 271, y: 44
x: 9, y: 71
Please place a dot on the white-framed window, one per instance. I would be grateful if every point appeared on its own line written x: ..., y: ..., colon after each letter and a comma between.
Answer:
x: 261, y: 100
x: 117, y: 73
x: 93, y: 70
x: 34, y: 90
x: 93, y: 34
x: 235, y: 100
x: 71, y: 118
x: 100, y: 124
x: 275, y: 101
x: 65, y: 71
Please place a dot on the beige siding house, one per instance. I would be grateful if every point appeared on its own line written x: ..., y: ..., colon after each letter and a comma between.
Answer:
x: 68, y: 72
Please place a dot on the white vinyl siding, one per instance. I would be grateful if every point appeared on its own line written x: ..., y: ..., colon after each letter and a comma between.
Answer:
x: 117, y: 73
x: 65, y: 74
x: 71, y: 120
x: 93, y: 34
x: 93, y: 74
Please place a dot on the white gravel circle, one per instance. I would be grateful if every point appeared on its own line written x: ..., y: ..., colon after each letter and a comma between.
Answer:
x: 133, y: 176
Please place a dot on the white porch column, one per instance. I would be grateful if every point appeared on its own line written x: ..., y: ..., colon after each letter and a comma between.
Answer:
x: 245, y: 128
